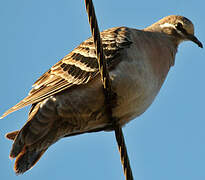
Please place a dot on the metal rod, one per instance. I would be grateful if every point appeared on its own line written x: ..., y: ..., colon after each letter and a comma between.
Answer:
x: 109, y: 95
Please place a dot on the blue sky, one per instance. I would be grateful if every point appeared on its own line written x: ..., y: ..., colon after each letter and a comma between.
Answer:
x: 165, y: 143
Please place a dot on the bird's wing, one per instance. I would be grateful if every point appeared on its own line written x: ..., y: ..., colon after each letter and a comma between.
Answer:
x: 78, y: 67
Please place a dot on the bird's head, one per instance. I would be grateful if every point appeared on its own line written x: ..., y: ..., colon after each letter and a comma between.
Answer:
x: 179, y: 27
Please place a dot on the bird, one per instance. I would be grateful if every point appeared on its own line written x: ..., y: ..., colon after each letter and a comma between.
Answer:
x: 68, y: 99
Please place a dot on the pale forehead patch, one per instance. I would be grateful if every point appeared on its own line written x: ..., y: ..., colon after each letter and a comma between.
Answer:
x: 167, y: 25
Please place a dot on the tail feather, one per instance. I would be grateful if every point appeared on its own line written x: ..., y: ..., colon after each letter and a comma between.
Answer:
x: 19, y: 142
x: 27, y: 159
x: 12, y: 135
x: 35, y: 129
x: 40, y: 131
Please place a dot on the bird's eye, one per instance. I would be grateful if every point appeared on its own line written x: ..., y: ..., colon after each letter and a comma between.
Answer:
x: 179, y: 26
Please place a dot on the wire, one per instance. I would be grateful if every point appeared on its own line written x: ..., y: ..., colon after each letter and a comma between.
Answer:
x: 110, y: 96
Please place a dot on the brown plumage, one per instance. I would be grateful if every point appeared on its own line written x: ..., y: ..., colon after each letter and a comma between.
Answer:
x: 68, y: 99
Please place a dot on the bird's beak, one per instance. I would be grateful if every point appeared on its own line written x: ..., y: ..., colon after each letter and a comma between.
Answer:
x: 195, y: 40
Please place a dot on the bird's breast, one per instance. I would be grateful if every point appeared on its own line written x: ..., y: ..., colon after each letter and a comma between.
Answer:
x: 136, y: 84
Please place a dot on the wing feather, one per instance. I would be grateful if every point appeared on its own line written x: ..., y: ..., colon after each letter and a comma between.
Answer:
x: 78, y: 67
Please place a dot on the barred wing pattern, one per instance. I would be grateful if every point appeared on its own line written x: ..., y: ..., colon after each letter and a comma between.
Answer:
x: 78, y: 67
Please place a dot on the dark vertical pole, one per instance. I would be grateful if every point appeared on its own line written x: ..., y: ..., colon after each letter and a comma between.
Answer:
x: 109, y: 95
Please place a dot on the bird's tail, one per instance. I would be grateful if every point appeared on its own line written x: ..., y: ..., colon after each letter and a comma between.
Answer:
x: 39, y: 132
x: 27, y: 158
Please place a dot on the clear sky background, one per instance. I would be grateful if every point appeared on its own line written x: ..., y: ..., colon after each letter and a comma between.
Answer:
x: 166, y: 143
